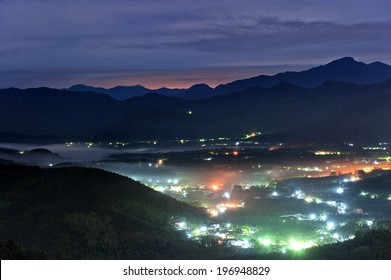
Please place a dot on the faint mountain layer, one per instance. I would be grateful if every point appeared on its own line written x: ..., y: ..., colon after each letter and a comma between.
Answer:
x: 344, y: 70
x: 362, y: 123
x: 279, y: 109
x: 198, y: 91
x: 274, y: 109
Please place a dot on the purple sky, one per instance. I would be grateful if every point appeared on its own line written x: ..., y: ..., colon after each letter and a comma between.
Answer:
x: 177, y: 43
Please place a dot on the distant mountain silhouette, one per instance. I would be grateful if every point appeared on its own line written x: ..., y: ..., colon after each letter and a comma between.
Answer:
x: 279, y: 109
x: 280, y: 104
x: 21, y: 138
x: 344, y: 70
x: 362, y: 123
x: 198, y: 91
x: 44, y: 111
x: 163, y: 125
x: 39, y: 156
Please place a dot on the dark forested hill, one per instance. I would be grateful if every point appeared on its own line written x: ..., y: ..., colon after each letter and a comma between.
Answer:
x: 78, y: 213
x: 363, y: 123
x: 74, y: 115
x: 280, y: 109
x: 345, y: 70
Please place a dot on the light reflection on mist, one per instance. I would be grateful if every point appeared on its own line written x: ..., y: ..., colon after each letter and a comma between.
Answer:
x: 77, y: 152
x: 193, y: 173
x: 185, y: 175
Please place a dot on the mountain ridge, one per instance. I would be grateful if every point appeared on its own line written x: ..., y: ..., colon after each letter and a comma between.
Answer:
x: 354, y: 72
x: 345, y: 69
x: 279, y: 109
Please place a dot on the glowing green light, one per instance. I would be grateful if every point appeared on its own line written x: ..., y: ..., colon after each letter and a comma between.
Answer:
x: 300, y: 245
x: 266, y: 242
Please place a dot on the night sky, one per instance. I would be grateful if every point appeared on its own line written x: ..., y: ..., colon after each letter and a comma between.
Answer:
x: 176, y: 43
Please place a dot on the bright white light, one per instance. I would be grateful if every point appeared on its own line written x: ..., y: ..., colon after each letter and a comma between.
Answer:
x: 331, y: 202
x: 312, y: 217
x: 340, y: 190
x: 369, y: 223
x: 169, y: 181
x: 299, y: 194
x: 227, y: 195
x: 241, y: 243
x: 274, y: 193
x: 203, y: 229
x: 323, y: 218
x: 181, y: 224
x: 214, y: 212
x: 266, y: 242
x: 309, y: 199
x: 175, y: 181
x: 336, y: 235
x: 330, y: 225
x: 295, y: 245
x: 354, y: 178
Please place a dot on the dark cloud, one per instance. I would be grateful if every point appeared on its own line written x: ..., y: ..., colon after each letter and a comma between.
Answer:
x: 182, y: 37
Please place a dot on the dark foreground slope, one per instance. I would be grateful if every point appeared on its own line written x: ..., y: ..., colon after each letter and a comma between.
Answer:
x: 80, y: 213
x: 372, y: 245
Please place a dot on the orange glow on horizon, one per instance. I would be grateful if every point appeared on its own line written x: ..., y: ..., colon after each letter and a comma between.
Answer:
x: 230, y: 205
x: 213, y: 212
x: 173, y: 78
